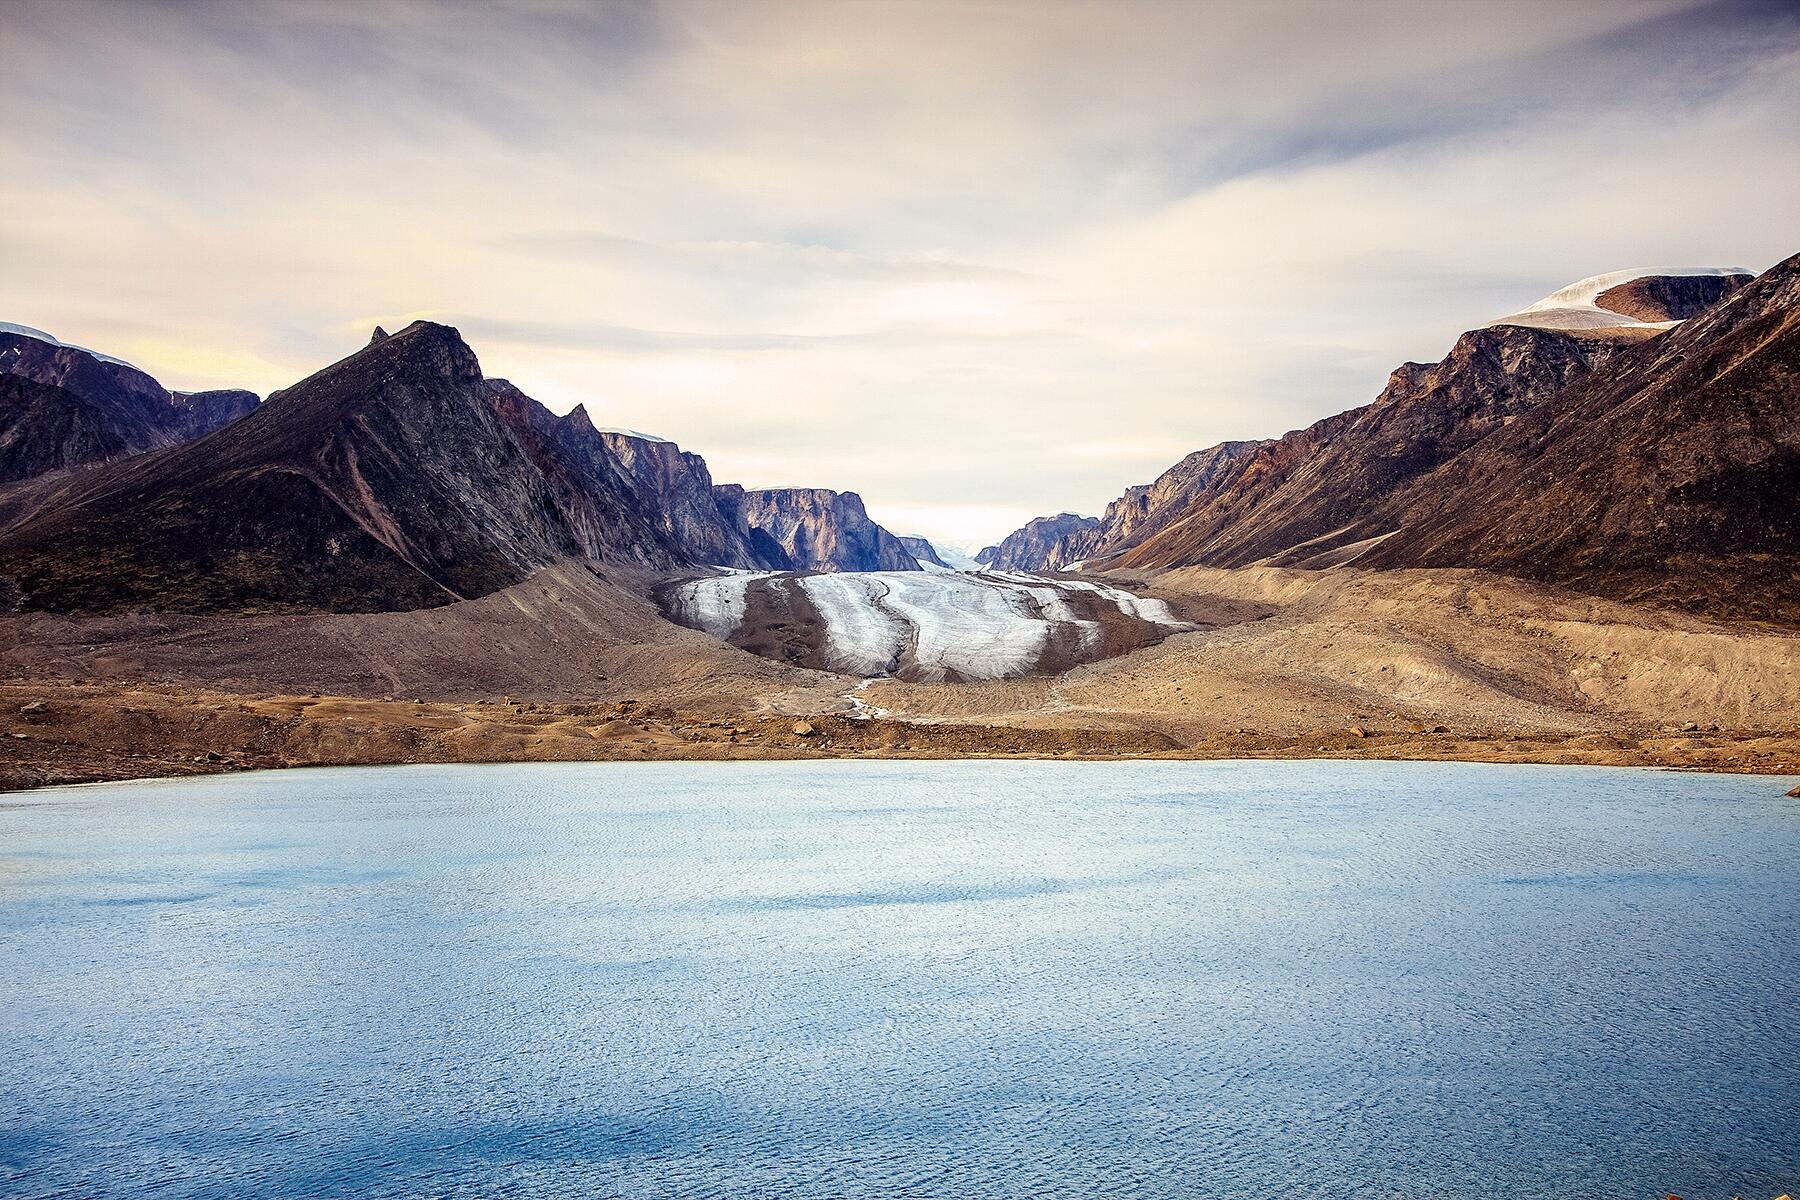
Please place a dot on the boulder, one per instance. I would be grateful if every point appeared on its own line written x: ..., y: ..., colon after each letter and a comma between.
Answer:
x: 804, y: 729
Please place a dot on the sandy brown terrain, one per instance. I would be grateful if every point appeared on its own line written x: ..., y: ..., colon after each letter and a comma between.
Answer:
x: 576, y: 664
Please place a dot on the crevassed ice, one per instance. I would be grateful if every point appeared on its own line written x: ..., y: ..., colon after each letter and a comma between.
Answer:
x: 941, y: 624
x: 965, y: 626
x: 1144, y: 608
x: 861, y: 637
x: 717, y: 602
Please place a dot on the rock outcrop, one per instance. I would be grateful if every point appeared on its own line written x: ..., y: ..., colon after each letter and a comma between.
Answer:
x: 924, y: 553
x: 101, y: 408
x: 1034, y: 545
x: 814, y: 529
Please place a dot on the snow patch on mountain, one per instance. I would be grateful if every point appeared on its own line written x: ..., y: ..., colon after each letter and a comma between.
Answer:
x: 41, y: 336
x: 1576, y: 306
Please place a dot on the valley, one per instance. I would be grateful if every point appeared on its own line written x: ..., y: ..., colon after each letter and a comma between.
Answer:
x: 1572, y: 540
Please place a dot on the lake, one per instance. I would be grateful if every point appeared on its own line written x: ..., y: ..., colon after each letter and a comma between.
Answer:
x: 833, y: 979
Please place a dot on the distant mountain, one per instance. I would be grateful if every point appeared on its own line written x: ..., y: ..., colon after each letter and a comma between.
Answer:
x: 102, y: 408
x: 924, y: 553
x: 816, y: 529
x: 1303, y: 495
x: 1673, y: 477
x: 1034, y: 546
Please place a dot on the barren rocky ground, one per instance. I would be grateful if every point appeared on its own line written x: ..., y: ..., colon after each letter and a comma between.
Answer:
x: 576, y: 664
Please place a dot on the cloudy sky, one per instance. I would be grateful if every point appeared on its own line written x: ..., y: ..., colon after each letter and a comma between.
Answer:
x: 977, y: 260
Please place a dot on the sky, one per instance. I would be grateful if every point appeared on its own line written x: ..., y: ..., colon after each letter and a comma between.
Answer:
x: 977, y: 261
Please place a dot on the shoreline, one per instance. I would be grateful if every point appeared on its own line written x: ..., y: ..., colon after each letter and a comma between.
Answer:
x: 98, y: 733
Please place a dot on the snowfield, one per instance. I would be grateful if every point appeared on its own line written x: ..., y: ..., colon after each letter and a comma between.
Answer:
x: 931, y: 626
x: 1576, y: 307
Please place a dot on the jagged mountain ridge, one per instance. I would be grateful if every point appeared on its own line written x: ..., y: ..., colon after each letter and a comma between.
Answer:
x: 1477, y: 461
x: 1673, y: 480
x: 816, y: 529
x: 384, y: 481
x: 1035, y: 546
x: 90, y: 408
x: 398, y: 478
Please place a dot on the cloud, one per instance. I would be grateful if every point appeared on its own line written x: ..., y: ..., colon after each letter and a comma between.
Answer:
x: 975, y: 260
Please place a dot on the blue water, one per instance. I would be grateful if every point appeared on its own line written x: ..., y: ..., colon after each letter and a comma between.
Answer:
x: 923, y: 980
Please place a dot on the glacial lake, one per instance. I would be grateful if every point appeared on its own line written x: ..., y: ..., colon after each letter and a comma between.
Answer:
x: 849, y: 979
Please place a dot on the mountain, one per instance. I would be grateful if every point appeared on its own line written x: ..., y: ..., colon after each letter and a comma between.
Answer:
x: 1304, y: 494
x: 46, y: 428
x: 385, y: 481
x: 103, y: 408
x: 924, y: 553
x: 1032, y: 546
x: 398, y: 478
x: 1672, y: 479
x: 677, y: 487
x: 1597, y: 451
x: 815, y: 529
x: 1147, y: 508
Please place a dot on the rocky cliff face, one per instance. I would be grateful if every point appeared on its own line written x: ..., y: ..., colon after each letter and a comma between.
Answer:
x: 924, y: 553
x: 1300, y: 499
x: 1670, y: 477
x: 608, y: 519
x: 1576, y: 442
x: 815, y: 529
x: 677, y: 487
x: 103, y: 408
x: 1039, y: 544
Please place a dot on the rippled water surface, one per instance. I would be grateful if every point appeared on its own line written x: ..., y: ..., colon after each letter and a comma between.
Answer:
x: 940, y: 979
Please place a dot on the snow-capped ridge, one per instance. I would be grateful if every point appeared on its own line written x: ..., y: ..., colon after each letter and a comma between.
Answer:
x: 40, y: 335
x: 1577, y: 306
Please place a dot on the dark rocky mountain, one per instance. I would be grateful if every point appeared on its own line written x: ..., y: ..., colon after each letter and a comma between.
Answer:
x: 1668, y: 297
x: 923, y: 551
x: 816, y: 529
x: 677, y: 488
x: 608, y: 519
x: 1618, y: 459
x: 1034, y: 545
x: 1673, y: 477
x: 108, y: 409
x: 398, y: 478
x: 385, y: 481
x: 1303, y: 496
x: 46, y: 428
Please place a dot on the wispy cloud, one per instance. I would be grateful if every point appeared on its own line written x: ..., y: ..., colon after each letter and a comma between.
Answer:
x: 974, y: 259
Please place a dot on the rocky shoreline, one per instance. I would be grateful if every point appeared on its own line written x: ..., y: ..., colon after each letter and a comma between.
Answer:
x: 55, y: 733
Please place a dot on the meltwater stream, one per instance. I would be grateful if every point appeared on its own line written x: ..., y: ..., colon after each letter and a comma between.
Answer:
x: 922, y: 979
